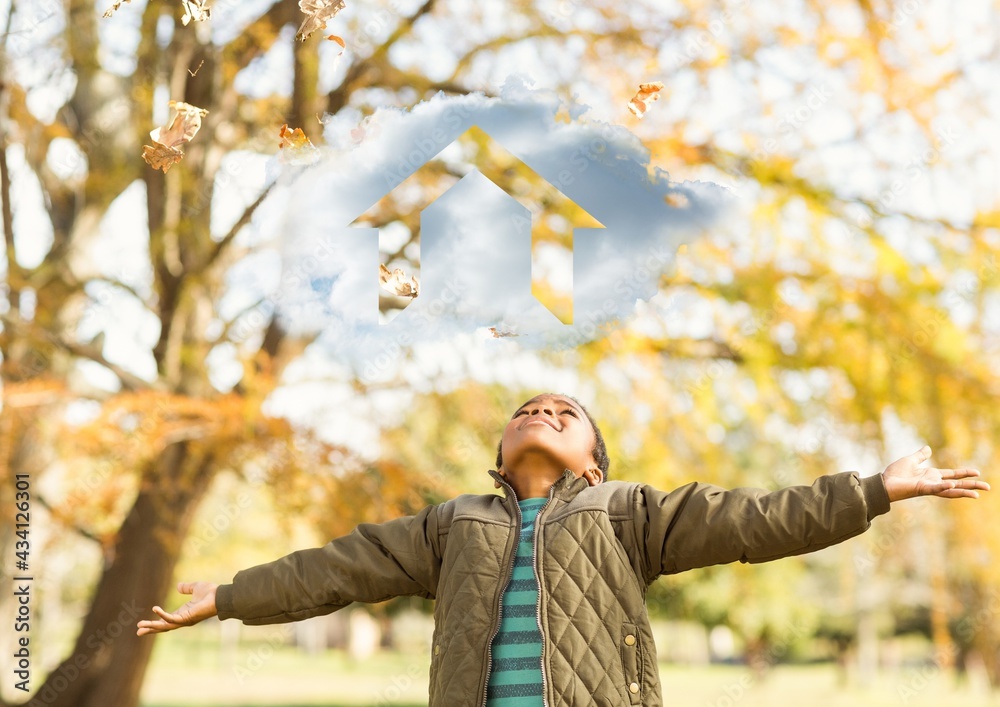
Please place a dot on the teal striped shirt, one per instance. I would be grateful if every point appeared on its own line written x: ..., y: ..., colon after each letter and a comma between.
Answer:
x: 516, y: 674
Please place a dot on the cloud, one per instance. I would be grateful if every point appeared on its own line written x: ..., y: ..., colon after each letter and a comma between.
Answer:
x: 475, y: 250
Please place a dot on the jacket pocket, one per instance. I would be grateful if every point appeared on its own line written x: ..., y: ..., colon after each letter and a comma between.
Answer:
x: 631, y: 655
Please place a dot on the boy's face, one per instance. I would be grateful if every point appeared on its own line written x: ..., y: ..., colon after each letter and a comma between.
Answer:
x: 548, y: 434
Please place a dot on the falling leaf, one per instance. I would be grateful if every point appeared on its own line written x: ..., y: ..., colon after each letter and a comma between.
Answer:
x: 111, y: 10
x: 338, y: 40
x: 500, y: 332
x: 395, y: 282
x: 165, y: 150
x: 299, y: 148
x: 647, y: 93
x: 195, y: 10
x: 317, y: 13
x: 160, y: 156
x: 295, y: 139
x: 183, y: 127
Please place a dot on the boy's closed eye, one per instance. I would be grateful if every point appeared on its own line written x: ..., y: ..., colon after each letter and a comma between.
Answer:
x: 570, y: 411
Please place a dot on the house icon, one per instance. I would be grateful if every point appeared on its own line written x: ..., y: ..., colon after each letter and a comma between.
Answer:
x: 452, y: 236
x: 584, y: 190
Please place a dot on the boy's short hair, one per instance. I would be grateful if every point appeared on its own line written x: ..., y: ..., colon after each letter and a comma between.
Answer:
x: 600, y: 451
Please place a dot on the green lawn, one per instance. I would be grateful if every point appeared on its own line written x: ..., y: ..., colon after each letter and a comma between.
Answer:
x: 198, y: 675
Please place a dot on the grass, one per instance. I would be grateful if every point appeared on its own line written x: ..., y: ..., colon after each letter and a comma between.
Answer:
x: 189, y: 674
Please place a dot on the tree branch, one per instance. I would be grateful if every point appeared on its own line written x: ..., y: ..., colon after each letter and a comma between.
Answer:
x: 43, y: 502
x: 695, y: 349
x: 820, y: 195
x: 224, y: 336
x: 337, y: 98
x: 242, y: 221
x: 125, y: 286
x: 13, y: 271
x: 128, y: 380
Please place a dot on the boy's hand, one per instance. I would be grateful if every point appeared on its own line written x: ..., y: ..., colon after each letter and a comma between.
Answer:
x: 905, y: 478
x: 201, y: 607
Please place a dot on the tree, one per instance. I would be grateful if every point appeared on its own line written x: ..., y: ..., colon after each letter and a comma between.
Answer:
x: 173, y: 432
x: 856, y: 329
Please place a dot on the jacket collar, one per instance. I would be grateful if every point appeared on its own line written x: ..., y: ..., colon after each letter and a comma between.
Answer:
x: 565, y: 488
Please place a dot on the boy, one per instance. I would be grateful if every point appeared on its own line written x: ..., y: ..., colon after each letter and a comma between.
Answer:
x: 555, y: 614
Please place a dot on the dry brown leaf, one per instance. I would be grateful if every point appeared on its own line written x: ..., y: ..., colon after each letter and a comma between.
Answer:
x: 300, y: 149
x: 395, y: 282
x: 184, y: 126
x: 160, y: 156
x: 647, y: 93
x: 338, y: 40
x: 195, y: 10
x: 317, y: 13
x: 295, y: 139
x: 165, y: 150
x: 111, y: 10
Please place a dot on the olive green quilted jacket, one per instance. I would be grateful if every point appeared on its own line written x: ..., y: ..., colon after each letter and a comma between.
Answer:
x: 597, y: 550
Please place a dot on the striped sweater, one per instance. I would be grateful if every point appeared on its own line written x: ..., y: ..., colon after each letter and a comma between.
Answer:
x: 516, y: 675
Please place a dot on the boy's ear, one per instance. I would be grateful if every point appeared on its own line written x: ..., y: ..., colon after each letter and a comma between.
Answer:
x: 594, y: 476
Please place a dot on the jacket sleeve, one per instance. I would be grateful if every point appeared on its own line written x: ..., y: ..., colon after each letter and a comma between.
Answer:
x: 698, y: 525
x: 372, y: 563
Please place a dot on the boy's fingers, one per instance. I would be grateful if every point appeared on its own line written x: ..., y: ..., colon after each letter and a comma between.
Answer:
x: 963, y: 473
x: 167, y: 616
x: 185, y: 587
x: 144, y: 627
x: 959, y: 493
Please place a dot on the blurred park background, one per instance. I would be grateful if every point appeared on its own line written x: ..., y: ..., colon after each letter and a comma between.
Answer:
x: 175, y: 426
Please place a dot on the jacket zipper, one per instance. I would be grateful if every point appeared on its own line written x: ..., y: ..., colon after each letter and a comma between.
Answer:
x: 538, y: 580
x: 496, y: 624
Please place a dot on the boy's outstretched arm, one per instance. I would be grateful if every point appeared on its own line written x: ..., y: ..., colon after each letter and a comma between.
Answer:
x: 698, y: 524
x: 375, y: 562
x: 201, y: 607
x: 904, y: 478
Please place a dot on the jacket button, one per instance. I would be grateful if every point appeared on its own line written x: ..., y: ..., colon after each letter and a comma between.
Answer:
x: 633, y: 687
x: 630, y: 640
x: 437, y: 650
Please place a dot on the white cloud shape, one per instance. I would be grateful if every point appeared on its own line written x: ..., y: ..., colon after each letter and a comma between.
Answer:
x: 475, y: 260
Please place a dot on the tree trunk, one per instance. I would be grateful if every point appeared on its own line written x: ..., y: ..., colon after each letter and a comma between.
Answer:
x: 109, y: 661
